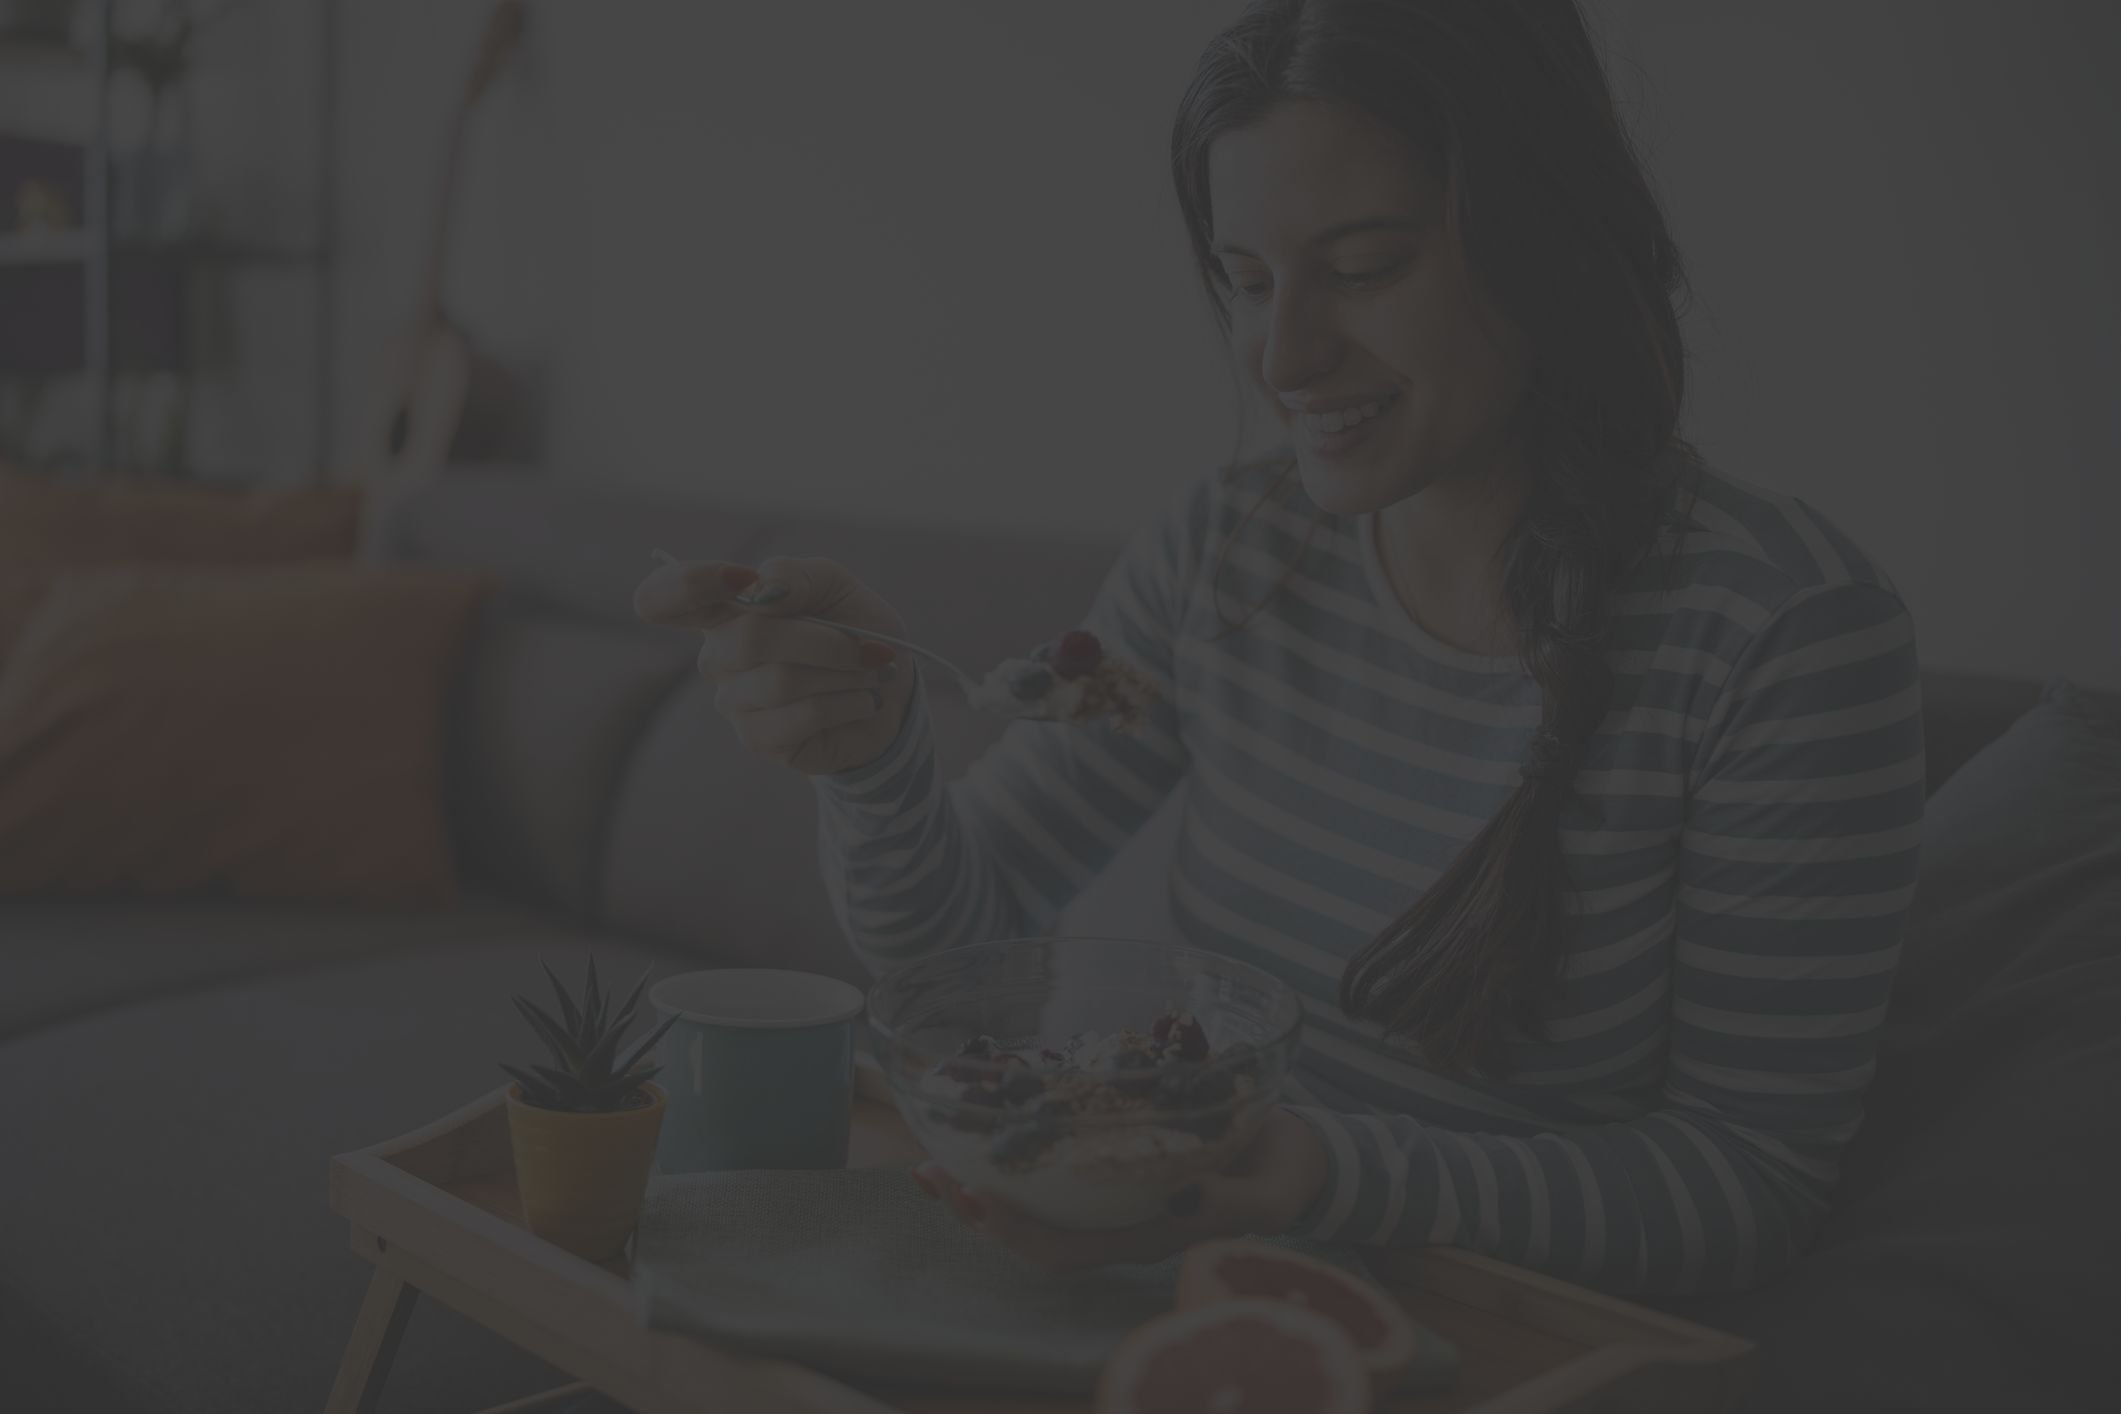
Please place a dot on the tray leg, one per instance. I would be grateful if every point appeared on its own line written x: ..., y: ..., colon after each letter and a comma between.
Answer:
x: 373, y: 1344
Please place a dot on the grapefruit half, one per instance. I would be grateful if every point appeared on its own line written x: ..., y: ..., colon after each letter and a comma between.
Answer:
x: 1236, y: 1357
x: 1238, y: 1268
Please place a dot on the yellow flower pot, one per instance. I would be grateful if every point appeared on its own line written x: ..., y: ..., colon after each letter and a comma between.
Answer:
x: 582, y: 1176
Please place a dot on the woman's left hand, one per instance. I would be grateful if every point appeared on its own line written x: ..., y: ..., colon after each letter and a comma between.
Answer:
x: 1263, y: 1191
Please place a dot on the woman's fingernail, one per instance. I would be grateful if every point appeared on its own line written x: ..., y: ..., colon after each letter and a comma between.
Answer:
x: 763, y: 592
x: 876, y: 700
x: 875, y: 655
x: 1184, y: 1203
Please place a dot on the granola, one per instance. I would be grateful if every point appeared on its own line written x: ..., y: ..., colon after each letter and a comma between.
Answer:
x: 1128, y: 1105
x: 1071, y: 679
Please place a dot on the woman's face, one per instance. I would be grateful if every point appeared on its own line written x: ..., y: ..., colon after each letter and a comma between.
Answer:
x: 1353, y: 311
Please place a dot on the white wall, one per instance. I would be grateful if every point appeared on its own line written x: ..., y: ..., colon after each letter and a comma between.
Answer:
x: 921, y: 261
x: 1902, y: 218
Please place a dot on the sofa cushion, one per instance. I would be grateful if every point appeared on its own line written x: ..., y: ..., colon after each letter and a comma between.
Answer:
x: 2021, y: 872
x: 170, y: 1248
x: 1969, y: 1259
x: 65, y: 960
x: 1963, y: 712
x: 547, y: 711
x: 259, y: 733
x: 714, y: 850
x: 49, y: 526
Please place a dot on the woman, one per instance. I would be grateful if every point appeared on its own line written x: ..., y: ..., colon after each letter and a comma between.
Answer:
x: 1575, y: 786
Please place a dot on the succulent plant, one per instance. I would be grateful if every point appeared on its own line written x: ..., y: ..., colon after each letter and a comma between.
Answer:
x: 589, y: 1075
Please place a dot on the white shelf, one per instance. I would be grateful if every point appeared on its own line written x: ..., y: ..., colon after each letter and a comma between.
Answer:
x: 72, y: 248
x: 43, y: 248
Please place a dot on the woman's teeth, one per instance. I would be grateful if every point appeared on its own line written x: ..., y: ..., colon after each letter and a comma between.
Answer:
x: 1341, y: 419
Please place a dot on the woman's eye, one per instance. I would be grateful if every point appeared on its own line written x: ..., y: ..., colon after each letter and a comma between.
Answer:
x: 1247, y: 286
x: 1373, y: 275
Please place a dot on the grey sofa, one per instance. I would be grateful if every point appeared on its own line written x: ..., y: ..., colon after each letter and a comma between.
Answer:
x: 173, y: 1080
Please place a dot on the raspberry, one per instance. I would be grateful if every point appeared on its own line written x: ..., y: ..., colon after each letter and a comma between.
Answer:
x: 1178, y: 1031
x: 1077, y: 653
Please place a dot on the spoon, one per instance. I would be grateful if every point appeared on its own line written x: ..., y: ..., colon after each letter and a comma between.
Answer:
x: 991, y: 692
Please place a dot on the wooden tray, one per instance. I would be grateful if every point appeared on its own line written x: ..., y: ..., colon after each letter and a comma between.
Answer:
x: 436, y: 1212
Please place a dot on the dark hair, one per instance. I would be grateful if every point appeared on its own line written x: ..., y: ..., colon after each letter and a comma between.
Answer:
x: 1563, y: 234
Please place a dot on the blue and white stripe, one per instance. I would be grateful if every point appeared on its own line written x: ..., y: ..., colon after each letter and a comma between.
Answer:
x: 1743, y: 837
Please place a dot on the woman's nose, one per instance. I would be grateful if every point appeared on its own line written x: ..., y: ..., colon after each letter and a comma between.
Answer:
x: 1301, y: 344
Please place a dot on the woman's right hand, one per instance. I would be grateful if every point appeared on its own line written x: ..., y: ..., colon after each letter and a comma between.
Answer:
x: 798, y: 693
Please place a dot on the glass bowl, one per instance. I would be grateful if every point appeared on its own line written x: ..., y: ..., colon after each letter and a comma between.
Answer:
x: 1035, y: 1069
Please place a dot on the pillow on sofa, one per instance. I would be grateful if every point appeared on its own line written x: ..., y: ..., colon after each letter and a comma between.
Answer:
x: 546, y: 714
x: 48, y: 526
x: 1968, y: 1261
x: 265, y: 733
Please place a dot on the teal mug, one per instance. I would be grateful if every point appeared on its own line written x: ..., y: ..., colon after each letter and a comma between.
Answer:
x: 759, y: 1068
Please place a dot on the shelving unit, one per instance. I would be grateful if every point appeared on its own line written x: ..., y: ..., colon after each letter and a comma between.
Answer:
x: 103, y: 297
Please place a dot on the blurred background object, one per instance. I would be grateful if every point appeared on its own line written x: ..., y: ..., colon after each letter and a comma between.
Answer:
x: 443, y: 398
x: 146, y: 285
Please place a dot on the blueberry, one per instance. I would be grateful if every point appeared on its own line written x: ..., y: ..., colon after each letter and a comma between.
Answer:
x: 1210, y: 1125
x: 961, y: 1120
x: 1022, y: 1089
x: 1022, y: 1143
x: 1031, y: 685
x: 1186, y: 1087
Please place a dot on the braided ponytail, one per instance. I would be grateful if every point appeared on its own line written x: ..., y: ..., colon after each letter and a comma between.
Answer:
x: 1563, y: 234
x: 1476, y: 948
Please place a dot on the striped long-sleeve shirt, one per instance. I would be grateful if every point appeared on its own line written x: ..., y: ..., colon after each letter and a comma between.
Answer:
x: 1742, y: 842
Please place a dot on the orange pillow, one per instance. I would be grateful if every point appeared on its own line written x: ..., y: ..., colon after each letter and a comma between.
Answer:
x: 48, y: 526
x: 264, y: 733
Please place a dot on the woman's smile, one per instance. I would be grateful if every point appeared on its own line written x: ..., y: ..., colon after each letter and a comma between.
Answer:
x: 1341, y: 428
